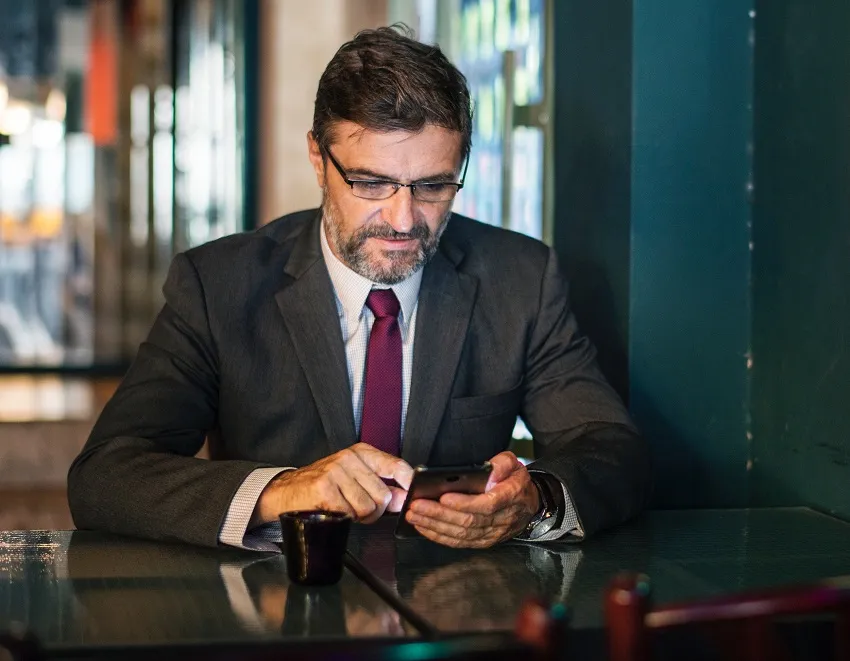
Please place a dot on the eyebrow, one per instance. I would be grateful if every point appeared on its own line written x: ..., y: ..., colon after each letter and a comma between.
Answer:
x: 442, y: 177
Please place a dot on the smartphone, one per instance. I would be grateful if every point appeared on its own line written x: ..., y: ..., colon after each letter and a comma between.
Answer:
x: 431, y: 483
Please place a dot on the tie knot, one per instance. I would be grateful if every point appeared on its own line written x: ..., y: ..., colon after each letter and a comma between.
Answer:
x: 383, y: 303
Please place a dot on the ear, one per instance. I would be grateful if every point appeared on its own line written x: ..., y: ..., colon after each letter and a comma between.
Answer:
x: 316, y: 160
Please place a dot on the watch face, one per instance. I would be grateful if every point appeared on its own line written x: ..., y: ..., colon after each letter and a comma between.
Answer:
x: 542, y: 528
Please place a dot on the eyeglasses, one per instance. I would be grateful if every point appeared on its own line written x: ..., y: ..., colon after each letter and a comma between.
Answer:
x: 380, y: 189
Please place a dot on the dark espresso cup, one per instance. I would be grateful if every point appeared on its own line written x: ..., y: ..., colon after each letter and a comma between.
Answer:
x: 314, y: 543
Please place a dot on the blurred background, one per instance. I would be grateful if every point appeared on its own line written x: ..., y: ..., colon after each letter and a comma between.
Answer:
x: 132, y: 130
x: 686, y: 159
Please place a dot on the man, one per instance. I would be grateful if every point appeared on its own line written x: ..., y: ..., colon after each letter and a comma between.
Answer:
x: 326, y: 353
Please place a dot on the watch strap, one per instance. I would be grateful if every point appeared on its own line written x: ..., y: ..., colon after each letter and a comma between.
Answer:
x: 546, y: 505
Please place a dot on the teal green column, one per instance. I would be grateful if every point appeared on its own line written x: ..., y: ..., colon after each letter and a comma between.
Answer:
x: 690, y: 246
x: 801, y: 321
x: 593, y: 136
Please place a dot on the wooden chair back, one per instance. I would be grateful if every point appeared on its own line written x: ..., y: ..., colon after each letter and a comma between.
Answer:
x: 743, y: 626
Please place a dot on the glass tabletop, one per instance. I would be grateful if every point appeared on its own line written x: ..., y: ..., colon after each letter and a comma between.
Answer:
x: 86, y: 589
x: 687, y: 555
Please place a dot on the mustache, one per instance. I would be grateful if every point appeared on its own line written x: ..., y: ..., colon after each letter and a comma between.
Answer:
x: 384, y: 231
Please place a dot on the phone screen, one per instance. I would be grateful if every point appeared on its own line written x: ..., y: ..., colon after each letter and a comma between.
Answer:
x: 431, y: 483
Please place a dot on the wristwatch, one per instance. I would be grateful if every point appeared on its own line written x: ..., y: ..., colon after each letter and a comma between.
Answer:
x: 546, y: 516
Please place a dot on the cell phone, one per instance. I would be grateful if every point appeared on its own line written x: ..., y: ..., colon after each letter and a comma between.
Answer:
x: 431, y: 483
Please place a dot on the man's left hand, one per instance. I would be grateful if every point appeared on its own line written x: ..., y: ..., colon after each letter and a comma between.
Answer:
x: 503, y: 511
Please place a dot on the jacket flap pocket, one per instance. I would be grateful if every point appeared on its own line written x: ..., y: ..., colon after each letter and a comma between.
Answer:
x: 482, y: 406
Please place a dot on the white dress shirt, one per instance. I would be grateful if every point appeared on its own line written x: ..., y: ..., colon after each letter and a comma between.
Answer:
x: 351, y: 290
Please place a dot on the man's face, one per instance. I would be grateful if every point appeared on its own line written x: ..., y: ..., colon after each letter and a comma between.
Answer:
x: 387, y: 240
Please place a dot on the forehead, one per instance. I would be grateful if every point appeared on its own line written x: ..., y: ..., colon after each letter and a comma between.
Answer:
x: 399, y: 153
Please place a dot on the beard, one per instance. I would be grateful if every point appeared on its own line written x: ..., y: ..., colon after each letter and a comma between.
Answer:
x: 393, y: 266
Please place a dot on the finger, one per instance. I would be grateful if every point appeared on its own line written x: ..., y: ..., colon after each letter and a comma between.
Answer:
x: 486, y: 503
x: 504, y: 464
x: 452, y: 541
x: 471, y: 537
x: 500, y: 496
x: 380, y: 493
x: 397, y: 501
x: 385, y: 465
x: 360, y: 500
x: 334, y: 501
x: 503, y: 515
x: 434, y: 510
x: 447, y: 528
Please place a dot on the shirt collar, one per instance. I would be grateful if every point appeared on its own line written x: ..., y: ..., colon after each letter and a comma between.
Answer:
x: 352, y: 289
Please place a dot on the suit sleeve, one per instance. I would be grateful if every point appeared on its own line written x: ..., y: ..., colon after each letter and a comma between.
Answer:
x: 582, y: 432
x: 138, y: 474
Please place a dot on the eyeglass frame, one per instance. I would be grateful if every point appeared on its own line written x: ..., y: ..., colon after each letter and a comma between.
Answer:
x: 397, y: 184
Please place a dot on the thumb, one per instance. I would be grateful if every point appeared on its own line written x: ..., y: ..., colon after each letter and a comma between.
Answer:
x: 504, y: 465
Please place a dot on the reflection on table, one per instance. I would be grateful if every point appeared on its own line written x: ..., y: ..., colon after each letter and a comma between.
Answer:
x: 86, y: 588
x: 687, y: 554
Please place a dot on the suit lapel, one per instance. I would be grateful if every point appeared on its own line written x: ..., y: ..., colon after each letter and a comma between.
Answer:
x: 446, y: 299
x: 309, y: 312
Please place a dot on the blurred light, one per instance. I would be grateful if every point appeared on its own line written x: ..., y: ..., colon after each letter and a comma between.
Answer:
x: 4, y: 96
x: 16, y: 119
x: 55, y: 105
x: 47, y: 133
x: 46, y: 223
x: 79, y: 172
x: 163, y: 113
x: 140, y: 117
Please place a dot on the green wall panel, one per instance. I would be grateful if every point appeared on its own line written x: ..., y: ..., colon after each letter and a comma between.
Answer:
x: 703, y: 215
x: 593, y: 69
x: 801, y: 303
x: 690, y: 235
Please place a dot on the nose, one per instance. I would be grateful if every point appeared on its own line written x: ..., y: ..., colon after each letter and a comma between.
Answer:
x: 400, y: 213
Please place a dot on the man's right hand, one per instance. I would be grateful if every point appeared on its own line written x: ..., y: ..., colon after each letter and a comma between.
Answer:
x: 348, y: 481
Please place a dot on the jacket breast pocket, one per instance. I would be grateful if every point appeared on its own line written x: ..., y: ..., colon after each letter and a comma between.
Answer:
x: 485, y: 406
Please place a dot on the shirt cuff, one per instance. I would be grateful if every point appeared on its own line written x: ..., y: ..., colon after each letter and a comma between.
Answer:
x: 234, y: 531
x: 569, y: 523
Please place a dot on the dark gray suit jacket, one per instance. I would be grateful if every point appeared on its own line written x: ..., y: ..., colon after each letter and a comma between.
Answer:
x: 248, y: 351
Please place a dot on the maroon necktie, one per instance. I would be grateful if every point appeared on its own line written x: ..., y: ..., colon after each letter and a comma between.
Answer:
x: 380, y: 424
